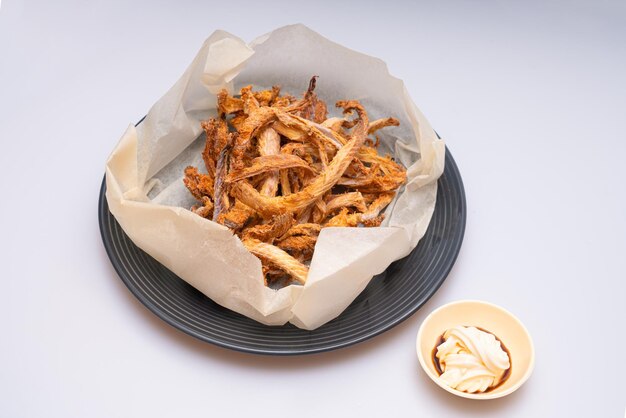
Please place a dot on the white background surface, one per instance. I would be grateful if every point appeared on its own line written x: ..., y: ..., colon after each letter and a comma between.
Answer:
x: 531, y: 99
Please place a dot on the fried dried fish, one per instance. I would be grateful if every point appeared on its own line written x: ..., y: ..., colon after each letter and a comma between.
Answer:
x: 316, y: 109
x: 303, y: 244
x: 221, y: 202
x: 236, y: 217
x: 381, y: 123
x: 303, y: 229
x: 267, y: 163
x: 255, y: 121
x: 198, y: 184
x: 227, y: 104
x: 206, y: 210
x: 269, y: 206
x: 217, y: 136
x: 351, y: 199
x: 277, y: 227
x: 378, y: 205
x: 287, y: 171
x: 269, y: 144
x: 344, y: 218
x: 278, y: 258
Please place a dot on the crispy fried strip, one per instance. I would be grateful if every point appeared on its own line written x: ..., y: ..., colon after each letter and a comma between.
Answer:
x: 272, y: 274
x: 334, y: 138
x: 283, y: 101
x: 210, y: 130
x: 304, y: 216
x: 294, y: 181
x: 354, y: 199
x: 380, y: 184
x: 370, y: 155
x: 217, y: 137
x: 343, y: 218
x: 269, y: 206
x: 227, y: 104
x: 362, y: 180
x: 222, y: 139
x: 291, y: 105
x: 300, y: 129
x: 255, y: 121
x: 278, y: 226
x: 319, y: 210
x: 302, y: 229
x: 298, y: 134
x: 310, y: 90
x: 290, y: 132
x: 373, y: 222
x: 221, y: 197
x: 393, y: 176
x: 316, y: 110
x: 268, y: 163
x: 236, y: 217
x: 285, y: 185
x: 250, y: 103
x: 334, y: 124
x: 300, y: 243
x: 206, y: 210
x: 356, y: 169
x: 370, y: 218
x: 198, y: 184
x: 267, y: 97
x: 348, y: 107
x: 381, y: 123
x: 302, y: 150
x: 269, y: 144
x: 279, y: 258
x: 378, y: 205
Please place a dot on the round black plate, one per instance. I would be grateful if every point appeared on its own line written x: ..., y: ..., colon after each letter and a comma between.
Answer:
x: 390, y: 297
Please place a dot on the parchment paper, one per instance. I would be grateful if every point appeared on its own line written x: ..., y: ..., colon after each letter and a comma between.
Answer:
x: 146, y: 194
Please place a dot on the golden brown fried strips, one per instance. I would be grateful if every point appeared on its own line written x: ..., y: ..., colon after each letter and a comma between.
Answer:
x: 217, y: 137
x: 269, y: 206
x: 206, y: 210
x: 288, y: 171
x: 267, y: 163
x: 269, y: 144
x: 355, y: 199
x: 227, y: 104
x: 278, y: 258
x: 344, y: 218
x: 236, y: 217
x: 255, y: 121
x: 277, y: 227
x: 303, y: 229
x: 302, y: 244
x: 219, y: 190
x: 378, y: 205
x: 381, y: 123
x: 200, y: 185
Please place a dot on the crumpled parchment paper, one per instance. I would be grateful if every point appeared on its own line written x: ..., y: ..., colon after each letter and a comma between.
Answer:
x: 146, y: 194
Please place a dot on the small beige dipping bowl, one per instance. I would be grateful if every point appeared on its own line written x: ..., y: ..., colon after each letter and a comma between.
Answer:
x: 504, y: 325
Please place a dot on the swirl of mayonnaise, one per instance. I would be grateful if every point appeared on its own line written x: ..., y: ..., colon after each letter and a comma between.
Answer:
x: 471, y: 360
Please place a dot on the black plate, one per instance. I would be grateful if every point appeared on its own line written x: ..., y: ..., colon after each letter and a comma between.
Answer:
x: 390, y: 298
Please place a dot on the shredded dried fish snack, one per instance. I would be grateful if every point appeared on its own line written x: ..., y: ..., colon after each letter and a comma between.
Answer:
x: 279, y: 170
x: 145, y: 175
